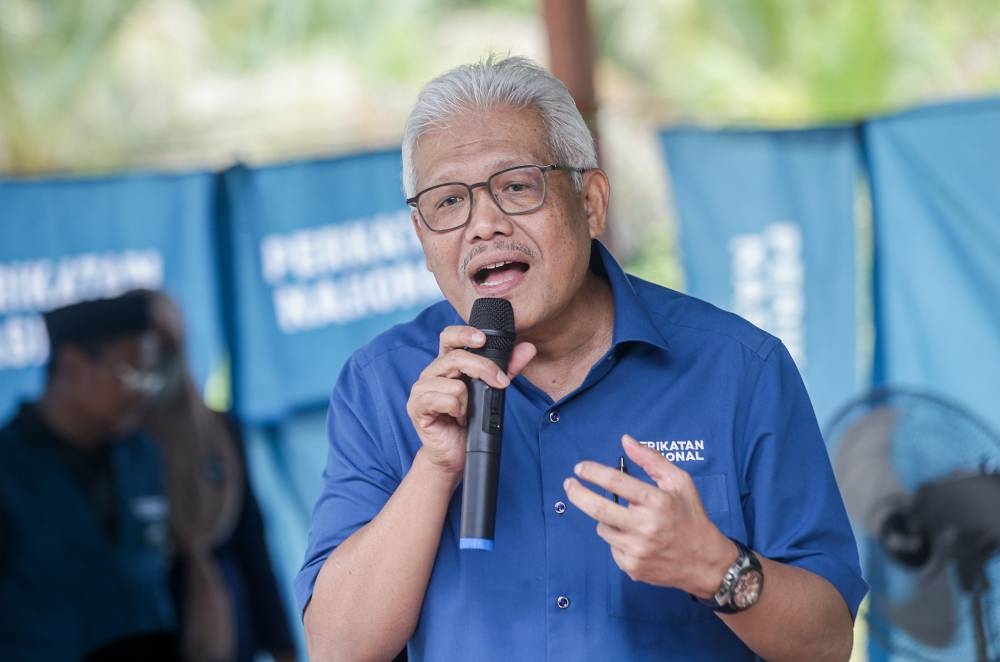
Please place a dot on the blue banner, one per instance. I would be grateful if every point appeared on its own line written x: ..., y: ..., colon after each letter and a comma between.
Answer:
x: 767, y: 231
x: 936, y: 192
x: 935, y: 176
x: 66, y: 241
x: 286, y: 461
x: 324, y: 257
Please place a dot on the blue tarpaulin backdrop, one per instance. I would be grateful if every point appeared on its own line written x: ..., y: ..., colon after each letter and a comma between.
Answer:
x: 65, y: 241
x: 767, y: 231
x: 935, y: 176
x: 936, y: 189
x: 290, y: 268
x: 323, y: 257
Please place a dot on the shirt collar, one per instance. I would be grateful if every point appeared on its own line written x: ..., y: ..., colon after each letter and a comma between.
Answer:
x: 632, y: 320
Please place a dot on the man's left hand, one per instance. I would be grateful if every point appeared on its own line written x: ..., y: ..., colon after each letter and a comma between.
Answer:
x: 662, y: 536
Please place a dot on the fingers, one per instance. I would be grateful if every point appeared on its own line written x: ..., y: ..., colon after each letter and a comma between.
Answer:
x: 441, y: 389
x: 627, y: 487
x: 458, y: 362
x: 437, y: 396
x: 657, y: 467
x: 454, y: 361
x: 520, y: 357
x: 612, y: 535
x: 459, y: 337
x: 628, y: 564
x: 595, y: 505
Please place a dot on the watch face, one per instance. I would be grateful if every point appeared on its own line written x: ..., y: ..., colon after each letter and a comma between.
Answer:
x: 746, y: 590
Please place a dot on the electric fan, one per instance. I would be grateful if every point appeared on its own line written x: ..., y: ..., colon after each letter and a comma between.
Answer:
x: 920, y: 479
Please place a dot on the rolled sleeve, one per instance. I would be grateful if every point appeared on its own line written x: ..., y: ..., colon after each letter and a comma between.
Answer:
x: 360, y: 474
x: 792, y: 505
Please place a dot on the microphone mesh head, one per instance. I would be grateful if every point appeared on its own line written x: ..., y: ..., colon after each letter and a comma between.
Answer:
x: 495, y: 315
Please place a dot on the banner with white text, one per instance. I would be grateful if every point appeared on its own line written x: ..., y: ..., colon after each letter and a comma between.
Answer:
x: 936, y: 193
x: 767, y: 231
x: 323, y: 258
x: 63, y: 241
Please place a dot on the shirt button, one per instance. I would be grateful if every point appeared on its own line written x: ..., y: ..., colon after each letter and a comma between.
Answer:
x: 553, y: 417
x: 562, y: 602
x: 560, y: 507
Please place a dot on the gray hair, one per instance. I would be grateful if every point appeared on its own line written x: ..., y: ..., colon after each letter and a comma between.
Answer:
x: 512, y: 82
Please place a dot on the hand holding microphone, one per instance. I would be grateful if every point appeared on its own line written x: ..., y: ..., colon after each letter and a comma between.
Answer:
x: 438, y: 401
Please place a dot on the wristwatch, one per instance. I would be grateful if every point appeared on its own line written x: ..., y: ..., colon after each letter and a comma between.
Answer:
x: 741, y: 585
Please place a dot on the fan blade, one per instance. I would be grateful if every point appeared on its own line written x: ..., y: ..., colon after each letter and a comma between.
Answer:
x: 929, y: 614
x: 862, y: 464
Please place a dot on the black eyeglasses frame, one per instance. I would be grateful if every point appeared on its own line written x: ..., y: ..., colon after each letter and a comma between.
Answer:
x: 414, y: 201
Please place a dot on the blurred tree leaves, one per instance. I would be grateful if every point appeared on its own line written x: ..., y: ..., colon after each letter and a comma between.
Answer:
x: 49, y: 52
x: 108, y: 84
x: 796, y: 61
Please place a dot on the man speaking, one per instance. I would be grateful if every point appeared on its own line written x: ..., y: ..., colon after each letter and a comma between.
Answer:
x: 603, y: 548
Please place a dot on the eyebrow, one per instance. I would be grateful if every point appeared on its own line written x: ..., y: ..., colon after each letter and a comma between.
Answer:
x: 495, y: 166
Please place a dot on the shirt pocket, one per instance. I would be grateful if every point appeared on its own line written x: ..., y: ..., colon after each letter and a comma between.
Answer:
x: 655, y: 604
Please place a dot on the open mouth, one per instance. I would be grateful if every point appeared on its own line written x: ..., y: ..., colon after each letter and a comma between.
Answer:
x: 499, y: 273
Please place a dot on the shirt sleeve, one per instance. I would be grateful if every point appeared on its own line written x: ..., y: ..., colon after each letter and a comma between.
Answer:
x: 791, y: 503
x: 362, y: 471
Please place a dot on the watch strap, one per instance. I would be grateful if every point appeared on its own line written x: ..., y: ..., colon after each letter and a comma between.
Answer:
x: 721, y: 602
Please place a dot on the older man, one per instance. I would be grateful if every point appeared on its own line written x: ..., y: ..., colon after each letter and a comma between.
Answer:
x: 724, y: 537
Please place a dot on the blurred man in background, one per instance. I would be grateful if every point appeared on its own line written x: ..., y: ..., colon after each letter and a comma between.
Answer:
x: 128, y: 529
x: 84, y: 535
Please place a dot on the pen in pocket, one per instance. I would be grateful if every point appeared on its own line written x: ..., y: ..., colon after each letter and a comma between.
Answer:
x: 621, y: 468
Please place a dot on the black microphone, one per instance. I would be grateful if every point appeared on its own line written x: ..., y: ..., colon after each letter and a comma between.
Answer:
x: 495, y: 318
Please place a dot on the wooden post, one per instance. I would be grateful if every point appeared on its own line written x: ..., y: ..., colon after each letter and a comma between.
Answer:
x: 571, y: 58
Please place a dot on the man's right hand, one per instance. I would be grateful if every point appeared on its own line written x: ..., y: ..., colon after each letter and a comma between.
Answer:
x: 438, y: 401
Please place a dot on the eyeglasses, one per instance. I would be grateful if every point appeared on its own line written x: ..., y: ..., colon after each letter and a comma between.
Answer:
x: 515, y: 191
x: 143, y: 382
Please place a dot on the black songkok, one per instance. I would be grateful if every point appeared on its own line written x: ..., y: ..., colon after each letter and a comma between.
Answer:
x: 91, y: 323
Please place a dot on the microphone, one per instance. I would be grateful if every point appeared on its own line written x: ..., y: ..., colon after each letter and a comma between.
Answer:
x: 495, y: 318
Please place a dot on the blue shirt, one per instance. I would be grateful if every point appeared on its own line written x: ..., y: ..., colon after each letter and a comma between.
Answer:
x: 715, y: 394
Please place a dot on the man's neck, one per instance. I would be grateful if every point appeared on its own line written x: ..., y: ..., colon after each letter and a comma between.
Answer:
x: 570, y: 345
x: 62, y: 418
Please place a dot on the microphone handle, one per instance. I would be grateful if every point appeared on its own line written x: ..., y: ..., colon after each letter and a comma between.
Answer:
x: 482, y: 466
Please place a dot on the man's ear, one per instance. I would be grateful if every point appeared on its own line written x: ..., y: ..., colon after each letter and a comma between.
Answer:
x: 596, y: 193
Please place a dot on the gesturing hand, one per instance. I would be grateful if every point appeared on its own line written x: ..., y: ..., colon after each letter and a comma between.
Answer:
x: 438, y: 401
x: 663, y: 536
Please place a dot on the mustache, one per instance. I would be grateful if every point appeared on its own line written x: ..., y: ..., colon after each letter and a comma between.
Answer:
x: 499, y: 245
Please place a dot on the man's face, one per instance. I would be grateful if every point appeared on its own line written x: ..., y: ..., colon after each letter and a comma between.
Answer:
x: 110, y: 387
x: 543, y: 255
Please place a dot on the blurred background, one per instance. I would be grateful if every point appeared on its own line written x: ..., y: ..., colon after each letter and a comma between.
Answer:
x: 111, y: 85
x: 828, y: 170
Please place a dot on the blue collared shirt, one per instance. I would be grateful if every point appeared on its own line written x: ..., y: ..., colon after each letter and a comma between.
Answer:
x: 716, y: 395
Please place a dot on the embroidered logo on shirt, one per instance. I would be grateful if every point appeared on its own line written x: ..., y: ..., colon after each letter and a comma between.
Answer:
x: 681, y: 450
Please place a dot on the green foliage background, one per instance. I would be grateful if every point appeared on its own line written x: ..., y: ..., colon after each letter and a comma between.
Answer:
x: 92, y: 86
